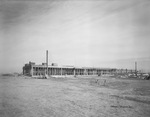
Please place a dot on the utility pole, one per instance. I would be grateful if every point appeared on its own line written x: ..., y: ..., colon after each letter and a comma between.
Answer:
x: 136, y: 68
x: 47, y: 61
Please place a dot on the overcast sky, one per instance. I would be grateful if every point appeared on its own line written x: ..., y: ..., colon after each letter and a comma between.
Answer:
x: 96, y: 33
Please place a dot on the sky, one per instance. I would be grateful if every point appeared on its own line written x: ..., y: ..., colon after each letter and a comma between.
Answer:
x: 92, y: 33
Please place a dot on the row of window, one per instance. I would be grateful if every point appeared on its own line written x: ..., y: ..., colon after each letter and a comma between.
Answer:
x: 64, y: 71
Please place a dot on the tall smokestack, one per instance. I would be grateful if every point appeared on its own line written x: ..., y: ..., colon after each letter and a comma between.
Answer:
x: 47, y: 61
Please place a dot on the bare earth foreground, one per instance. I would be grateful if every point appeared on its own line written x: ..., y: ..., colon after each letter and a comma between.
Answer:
x: 74, y: 97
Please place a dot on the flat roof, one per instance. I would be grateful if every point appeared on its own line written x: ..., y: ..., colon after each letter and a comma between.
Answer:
x: 73, y: 67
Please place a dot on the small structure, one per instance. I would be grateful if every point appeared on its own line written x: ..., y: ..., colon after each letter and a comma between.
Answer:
x: 54, y: 64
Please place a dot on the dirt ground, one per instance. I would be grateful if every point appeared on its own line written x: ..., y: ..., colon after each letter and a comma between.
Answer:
x: 74, y: 97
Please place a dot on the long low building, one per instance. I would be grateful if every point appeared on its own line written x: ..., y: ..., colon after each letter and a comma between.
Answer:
x: 33, y: 70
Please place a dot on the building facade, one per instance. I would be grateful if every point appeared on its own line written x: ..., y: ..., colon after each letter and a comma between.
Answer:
x: 33, y: 70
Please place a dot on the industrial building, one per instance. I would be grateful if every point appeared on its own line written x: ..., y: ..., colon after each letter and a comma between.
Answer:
x: 31, y: 69
x: 34, y: 70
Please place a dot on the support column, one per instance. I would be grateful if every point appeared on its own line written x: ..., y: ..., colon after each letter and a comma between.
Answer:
x: 74, y: 71
x: 93, y: 71
x: 85, y: 72
x: 61, y: 71
x: 38, y: 71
